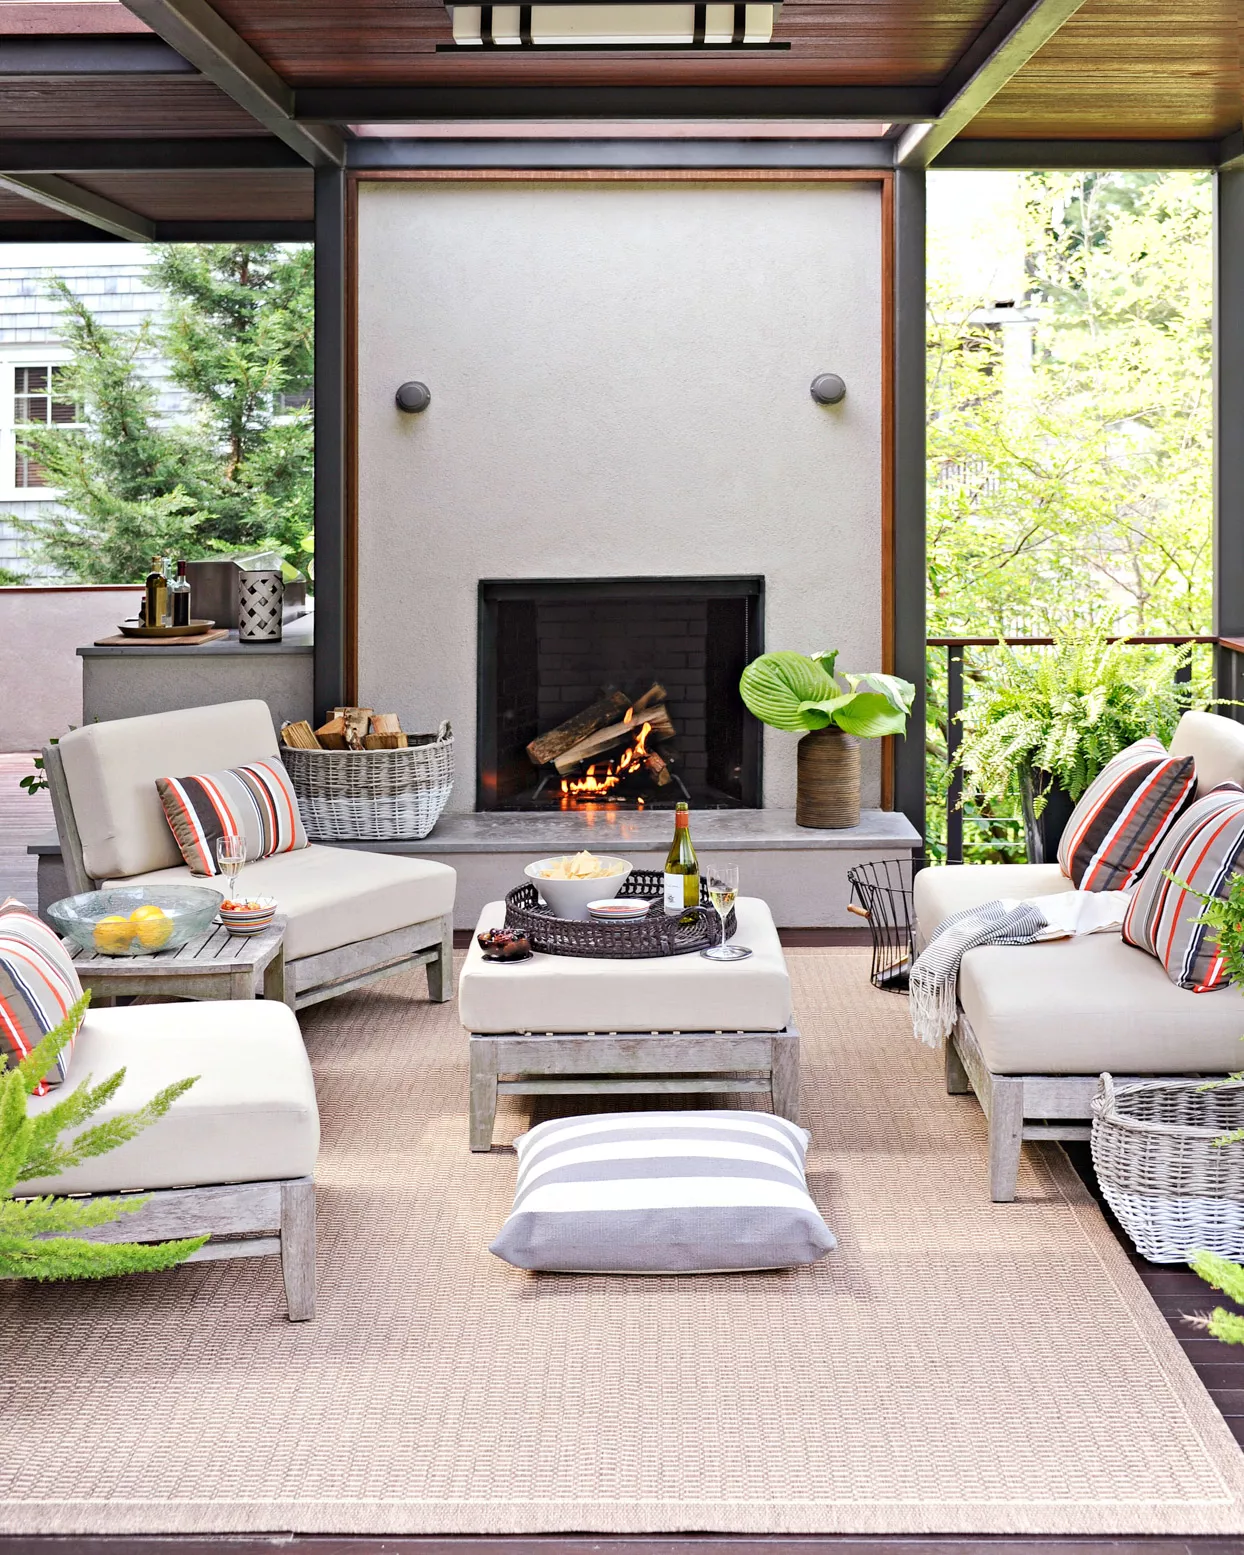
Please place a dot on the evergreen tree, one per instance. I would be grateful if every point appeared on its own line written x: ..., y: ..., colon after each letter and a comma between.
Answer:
x: 36, y: 1240
x: 237, y: 334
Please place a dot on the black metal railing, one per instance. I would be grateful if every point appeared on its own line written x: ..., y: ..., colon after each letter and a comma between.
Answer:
x: 1228, y: 674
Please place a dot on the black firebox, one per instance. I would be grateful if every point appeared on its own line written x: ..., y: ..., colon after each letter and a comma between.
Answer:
x: 552, y: 649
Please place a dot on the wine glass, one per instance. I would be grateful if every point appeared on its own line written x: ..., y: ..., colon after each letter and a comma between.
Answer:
x: 723, y: 888
x: 231, y: 855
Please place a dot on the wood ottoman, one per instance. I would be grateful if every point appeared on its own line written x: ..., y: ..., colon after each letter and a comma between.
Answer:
x: 569, y: 1025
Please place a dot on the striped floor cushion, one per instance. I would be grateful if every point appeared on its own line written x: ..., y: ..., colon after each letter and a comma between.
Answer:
x: 256, y: 802
x: 37, y: 987
x: 1122, y: 816
x: 1203, y: 850
x: 663, y: 1193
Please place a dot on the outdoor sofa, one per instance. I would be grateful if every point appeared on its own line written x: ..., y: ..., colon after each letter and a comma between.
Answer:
x: 1039, y: 1023
x: 351, y: 916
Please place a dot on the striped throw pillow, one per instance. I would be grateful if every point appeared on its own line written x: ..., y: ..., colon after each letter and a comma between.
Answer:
x: 663, y: 1193
x: 1123, y: 815
x: 255, y: 802
x: 1203, y: 850
x: 38, y: 985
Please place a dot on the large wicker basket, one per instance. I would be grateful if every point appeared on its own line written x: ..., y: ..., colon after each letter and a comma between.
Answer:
x: 1171, y: 1187
x: 374, y: 796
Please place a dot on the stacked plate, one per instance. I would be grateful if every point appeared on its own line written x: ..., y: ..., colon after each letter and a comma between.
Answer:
x: 619, y: 909
x: 250, y: 917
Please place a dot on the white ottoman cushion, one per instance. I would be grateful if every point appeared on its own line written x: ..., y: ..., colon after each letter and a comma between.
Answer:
x: 334, y: 896
x: 250, y: 1117
x: 666, y: 993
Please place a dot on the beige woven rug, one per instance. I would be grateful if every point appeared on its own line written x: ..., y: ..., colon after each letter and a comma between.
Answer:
x: 956, y: 1366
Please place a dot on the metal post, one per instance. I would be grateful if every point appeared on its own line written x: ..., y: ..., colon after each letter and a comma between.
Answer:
x: 330, y: 439
x: 909, y: 483
x: 954, y: 739
x: 1228, y: 419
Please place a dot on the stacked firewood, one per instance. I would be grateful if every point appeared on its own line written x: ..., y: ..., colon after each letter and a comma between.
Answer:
x: 349, y: 728
x: 612, y: 721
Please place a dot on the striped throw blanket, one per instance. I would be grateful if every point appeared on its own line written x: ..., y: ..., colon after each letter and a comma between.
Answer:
x: 934, y: 982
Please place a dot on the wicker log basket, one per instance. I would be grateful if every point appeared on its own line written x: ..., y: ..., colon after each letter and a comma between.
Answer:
x: 374, y: 795
x: 1172, y: 1189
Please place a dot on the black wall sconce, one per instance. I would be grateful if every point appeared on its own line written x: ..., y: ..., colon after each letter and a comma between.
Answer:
x: 413, y: 397
x: 828, y: 389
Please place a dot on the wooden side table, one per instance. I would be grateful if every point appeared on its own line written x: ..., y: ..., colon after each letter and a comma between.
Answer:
x: 217, y: 965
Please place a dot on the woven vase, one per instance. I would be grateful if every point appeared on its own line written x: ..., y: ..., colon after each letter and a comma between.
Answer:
x: 828, y: 792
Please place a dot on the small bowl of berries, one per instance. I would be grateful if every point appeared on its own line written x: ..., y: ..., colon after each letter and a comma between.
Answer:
x: 504, y: 945
x: 251, y: 915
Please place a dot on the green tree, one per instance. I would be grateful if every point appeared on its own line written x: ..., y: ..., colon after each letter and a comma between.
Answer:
x: 36, y: 1240
x: 1070, y: 430
x: 237, y: 333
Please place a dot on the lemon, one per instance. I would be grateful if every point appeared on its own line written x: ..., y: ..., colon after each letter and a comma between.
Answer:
x: 113, y: 934
x: 152, y: 926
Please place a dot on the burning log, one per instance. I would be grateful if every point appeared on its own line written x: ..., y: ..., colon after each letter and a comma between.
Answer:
x: 658, y: 769
x: 548, y: 747
x: 658, y: 725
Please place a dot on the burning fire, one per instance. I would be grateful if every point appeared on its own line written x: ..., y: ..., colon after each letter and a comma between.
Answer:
x: 589, y: 786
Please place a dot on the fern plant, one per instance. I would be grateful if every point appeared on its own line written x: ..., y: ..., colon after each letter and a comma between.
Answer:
x: 36, y: 1234
x: 1056, y: 716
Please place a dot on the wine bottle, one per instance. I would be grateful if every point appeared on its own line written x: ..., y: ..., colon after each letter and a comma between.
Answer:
x: 179, y: 595
x: 157, y: 593
x: 682, y: 868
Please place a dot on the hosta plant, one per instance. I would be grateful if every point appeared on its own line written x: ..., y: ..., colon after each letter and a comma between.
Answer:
x: 37, y: 1240
x: 802, y: 692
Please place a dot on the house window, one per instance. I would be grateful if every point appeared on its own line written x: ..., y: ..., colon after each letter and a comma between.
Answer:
x: 39, y: 399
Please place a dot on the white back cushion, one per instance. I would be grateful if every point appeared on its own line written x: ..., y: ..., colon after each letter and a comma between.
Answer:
x: 1216, y: 744
x: 111, y: 770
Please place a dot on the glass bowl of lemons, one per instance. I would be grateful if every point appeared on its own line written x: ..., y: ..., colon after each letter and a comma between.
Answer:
x: 136, y: 920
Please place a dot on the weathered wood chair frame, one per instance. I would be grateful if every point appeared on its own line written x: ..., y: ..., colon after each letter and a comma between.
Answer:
x: 311, y: 978
x: 1020, y: 1107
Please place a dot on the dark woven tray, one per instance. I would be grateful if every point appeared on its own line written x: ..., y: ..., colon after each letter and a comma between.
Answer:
x: 640, y: 939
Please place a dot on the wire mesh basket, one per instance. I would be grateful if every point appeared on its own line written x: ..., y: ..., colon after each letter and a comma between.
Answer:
x: 1171, y: 1187
x: 881, y: 893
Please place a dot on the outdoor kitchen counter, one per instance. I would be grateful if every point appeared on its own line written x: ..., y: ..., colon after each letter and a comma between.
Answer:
x: 134, y: 678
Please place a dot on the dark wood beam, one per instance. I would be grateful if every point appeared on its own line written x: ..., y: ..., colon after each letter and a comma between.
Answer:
x: 1075, y: 154
x: 1229, y: 152
x: 1000, y: 51
x: 619, y: 154
x: 96, y: 54
x: 201, y: 35
x: 333, y: 628
x: 78, y: 204
x: 254, y: 154
x: 412, y: 104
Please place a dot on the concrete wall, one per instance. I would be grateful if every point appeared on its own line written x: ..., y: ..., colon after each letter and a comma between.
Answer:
x: 41, y: 630
x: 619, y: 377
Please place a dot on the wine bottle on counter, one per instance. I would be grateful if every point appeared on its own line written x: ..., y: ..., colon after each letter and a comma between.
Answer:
x: 157, y: 594
x: 179, y: 596
x: 682, y: 868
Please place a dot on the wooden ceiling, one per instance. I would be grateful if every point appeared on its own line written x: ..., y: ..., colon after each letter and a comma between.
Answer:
x: 1165, y: 71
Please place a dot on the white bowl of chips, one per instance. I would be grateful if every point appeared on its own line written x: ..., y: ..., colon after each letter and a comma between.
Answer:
x: 568, y: 883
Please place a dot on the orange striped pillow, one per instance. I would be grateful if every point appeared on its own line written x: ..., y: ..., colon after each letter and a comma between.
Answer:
x: 1204, y: 850
x: 255, y: 802
x: 1122, y: 816
x: 38, y: 986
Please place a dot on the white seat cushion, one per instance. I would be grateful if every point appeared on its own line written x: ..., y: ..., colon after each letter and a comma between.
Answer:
x: 111, y: 770
x: 668, y: 993
x: 1083, y: 1005
x: 1216, y: 744
x: 941, y: 891
x: 250, y: 1116
x: 335, y: 896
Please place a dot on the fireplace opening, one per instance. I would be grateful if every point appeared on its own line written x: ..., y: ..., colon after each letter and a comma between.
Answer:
x: 617, y: 692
